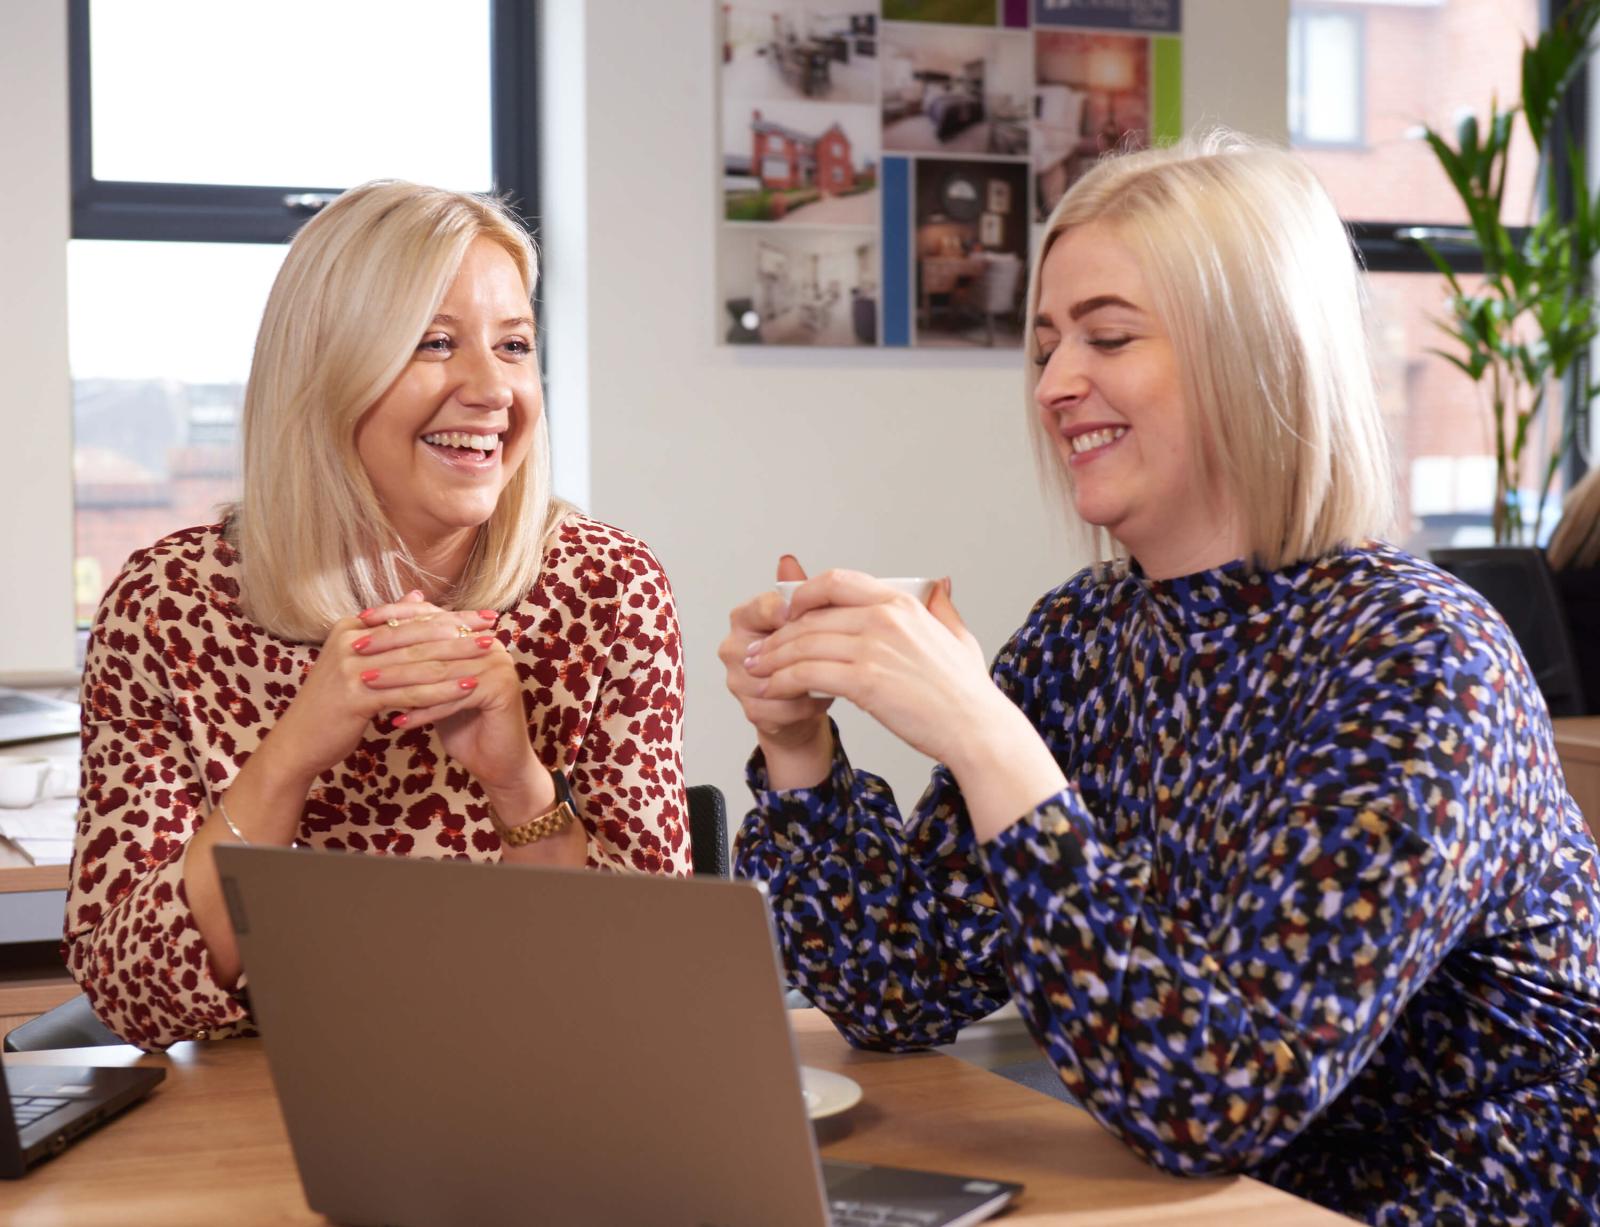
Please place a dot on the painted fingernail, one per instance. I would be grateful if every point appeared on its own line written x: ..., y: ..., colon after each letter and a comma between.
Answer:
x: 363, y: 643
x: 753, y: 647
x: 399, y: 721
x: 468, y: 683
x: 486, y: 641
x: 371, y: 675
x: 488, y: 614
x: 364, y: 614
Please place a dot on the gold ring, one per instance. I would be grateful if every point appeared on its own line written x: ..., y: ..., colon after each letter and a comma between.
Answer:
x: 461, y: 631
x: 393, y: 622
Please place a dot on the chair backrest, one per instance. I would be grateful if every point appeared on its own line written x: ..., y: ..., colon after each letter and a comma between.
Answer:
x: 72, y: 1024
x: 708, y: 831
x: 1001, y: 277
x: 1517, y: 581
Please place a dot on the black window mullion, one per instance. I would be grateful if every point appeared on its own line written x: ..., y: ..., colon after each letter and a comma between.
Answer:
x: 1397, y: 247
x: 514, y: 42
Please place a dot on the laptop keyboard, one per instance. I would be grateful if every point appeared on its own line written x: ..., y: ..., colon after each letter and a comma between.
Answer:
x: 29, y: 1108
x: 847, y: 1213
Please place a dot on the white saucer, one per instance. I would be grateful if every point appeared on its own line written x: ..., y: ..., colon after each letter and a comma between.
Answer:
x: 828, y: 1094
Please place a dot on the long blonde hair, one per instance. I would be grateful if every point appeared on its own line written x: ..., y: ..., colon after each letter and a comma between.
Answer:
x: 1253, y: 277
x: 1576, y: 539
x: 356, y: 291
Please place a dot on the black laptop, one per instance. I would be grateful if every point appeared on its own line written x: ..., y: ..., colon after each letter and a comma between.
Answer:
x: 53, y: 1104
x: 496, y: 1044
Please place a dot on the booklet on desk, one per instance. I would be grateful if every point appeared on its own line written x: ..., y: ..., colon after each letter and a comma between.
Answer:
x: 44, y: 831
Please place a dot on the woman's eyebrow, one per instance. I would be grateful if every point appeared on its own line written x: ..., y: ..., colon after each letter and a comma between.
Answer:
x: 1100, y: 301
x: 516, y: 321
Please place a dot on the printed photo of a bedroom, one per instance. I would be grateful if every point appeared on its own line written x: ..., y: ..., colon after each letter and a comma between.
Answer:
x: 972, y: 237
x: 955, y: 91
x: 799, y: 163
x: 825, y: 50
x: 1093, y: 96
x: 798, y: 287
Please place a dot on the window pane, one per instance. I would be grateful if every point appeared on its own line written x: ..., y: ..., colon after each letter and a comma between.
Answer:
x: 313, y: 93
x: 1416, y: 62
x: 1330, y: 87
x: 1439, y: 422
x: 160, y: 338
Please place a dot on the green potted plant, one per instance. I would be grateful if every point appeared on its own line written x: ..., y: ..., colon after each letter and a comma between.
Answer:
x: 1525, y: 329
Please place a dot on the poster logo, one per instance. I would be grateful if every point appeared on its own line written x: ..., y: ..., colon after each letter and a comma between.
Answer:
x: 1144, y: 16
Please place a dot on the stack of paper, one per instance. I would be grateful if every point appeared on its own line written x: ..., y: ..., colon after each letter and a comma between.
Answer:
x: 42, y: 832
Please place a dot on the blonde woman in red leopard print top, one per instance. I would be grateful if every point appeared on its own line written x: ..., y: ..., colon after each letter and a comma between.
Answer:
x: 433, y: 642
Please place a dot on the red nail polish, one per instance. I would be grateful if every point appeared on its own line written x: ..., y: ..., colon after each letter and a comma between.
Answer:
x: 399, y: 721
x: 488, y: 614
x: 486, y: 641
x: 364, y: 614
x: 361, y: 644
x: 468, y: 683
x: 371, y: 675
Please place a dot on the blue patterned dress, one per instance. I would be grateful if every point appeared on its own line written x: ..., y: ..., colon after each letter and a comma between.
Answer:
x: 1314, y: 905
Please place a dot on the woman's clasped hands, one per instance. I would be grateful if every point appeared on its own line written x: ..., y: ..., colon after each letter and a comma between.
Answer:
x: 410, y: 664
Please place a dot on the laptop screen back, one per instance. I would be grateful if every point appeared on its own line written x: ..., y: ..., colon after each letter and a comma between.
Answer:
x: 488, y: 1043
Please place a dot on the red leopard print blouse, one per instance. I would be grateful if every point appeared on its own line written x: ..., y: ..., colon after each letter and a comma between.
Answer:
x: 179, y: 688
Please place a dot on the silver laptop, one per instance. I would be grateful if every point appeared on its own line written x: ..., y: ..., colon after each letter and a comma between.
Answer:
x: 30, y: 717
x: 484, y: 1044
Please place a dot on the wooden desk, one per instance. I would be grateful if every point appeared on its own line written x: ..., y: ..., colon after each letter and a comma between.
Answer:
x: 1578, y: 743
x: 209, y: 1147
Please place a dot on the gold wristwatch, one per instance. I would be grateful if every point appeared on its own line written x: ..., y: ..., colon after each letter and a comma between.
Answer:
x: 553, y: 821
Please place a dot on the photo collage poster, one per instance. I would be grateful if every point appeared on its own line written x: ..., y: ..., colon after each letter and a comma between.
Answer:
x: 886, y: 164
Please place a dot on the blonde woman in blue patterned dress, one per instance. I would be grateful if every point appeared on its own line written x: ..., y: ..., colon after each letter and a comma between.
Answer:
x: 1260, y: 822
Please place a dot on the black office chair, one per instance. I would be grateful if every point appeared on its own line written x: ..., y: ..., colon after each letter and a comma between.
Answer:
x: 1517, y: 581
x: 708, y: 831
x: 72, y: 1024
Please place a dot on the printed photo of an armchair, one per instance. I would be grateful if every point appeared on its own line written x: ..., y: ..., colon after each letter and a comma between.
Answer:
x: 997, y: 290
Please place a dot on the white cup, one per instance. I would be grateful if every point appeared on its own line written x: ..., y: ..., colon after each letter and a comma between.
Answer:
x: 63, y: 780
x: 915, y: 586
x: 22, y: 780
x: 912, y: 585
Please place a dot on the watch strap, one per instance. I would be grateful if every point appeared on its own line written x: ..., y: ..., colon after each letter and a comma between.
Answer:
x: 553, y: 821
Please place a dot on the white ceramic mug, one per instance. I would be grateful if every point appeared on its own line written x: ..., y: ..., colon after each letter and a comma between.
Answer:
x: 912, y: 585
x: 63, y: 780
x: 22, y: 780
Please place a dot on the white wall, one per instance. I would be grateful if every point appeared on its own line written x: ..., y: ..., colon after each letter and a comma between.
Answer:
x: 36, y: 637
x: 724, y: 457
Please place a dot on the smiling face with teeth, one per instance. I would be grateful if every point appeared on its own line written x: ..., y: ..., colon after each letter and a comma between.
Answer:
x: 445, y: 438
x: 1111, y: 398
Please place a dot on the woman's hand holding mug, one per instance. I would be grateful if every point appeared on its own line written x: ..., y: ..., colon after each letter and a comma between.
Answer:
x: 792, y: 731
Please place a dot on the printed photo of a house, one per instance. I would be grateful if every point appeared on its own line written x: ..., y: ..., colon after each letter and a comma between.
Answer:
x: 800, y: 162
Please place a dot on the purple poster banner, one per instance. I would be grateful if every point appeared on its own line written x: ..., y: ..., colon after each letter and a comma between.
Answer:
x: 1142, y: 16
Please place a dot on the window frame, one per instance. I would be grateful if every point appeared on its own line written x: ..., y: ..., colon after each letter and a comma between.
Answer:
x: 225, y: 213
x: 1396, y: 247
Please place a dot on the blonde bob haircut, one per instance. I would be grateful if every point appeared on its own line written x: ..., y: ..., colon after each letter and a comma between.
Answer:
x: 1252, y: 275
x: 361, y: 282
x: 1576, y: 539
